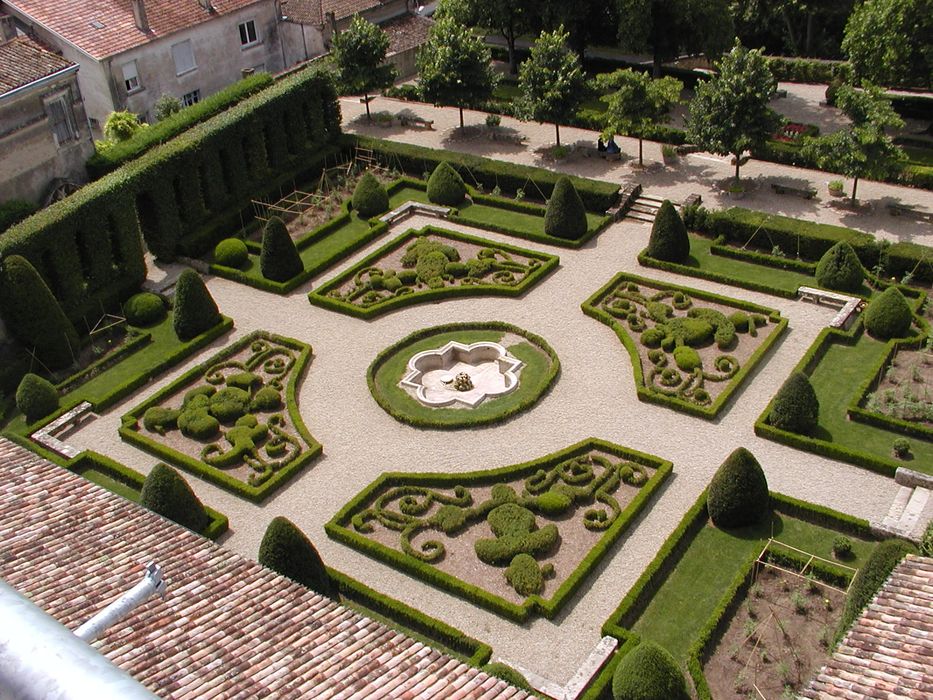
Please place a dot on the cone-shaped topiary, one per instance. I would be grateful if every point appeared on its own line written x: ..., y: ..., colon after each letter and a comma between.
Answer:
x: 888, y: 315
x: 445, y: 186
x: 507, y: 674
x: 738, y: 493
x: 565, y: 216
x: 279, y: 259
x: 286, y: 550
x: 195, y: 309
x: 34, y: 315
x: 648, y: 672
x: 167, y: 493
x: 370, y: 197
x: 795, y: 407
x: 668, y: 239
x: 840, y: 269
x: 36, y: 397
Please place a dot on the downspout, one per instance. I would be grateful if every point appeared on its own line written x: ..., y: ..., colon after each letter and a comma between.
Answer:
x: 151, y: 584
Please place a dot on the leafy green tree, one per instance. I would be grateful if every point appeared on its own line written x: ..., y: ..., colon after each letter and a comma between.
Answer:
x: 863, y: 149
x: 730, y: 113
x: 588, y: 22
x: 166, y: 106
x: 286, y: 550
x: 122, y: 126
x: 551, y: 81
x: 637, y: 103
x: 359, y: 52
x: 891, y: 42
x: 455, y: 67
x: 793, y: 27
x: 510, y: 18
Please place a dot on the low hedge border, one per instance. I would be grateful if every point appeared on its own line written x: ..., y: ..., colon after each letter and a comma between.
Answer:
x: 418, y: 335
x: 319, y: 296
x: 591, y: 308
x: 338, y: 528
x: 759, y: 258
x: 217, y: 525
x: 130, y: 431
x: 410, y: 621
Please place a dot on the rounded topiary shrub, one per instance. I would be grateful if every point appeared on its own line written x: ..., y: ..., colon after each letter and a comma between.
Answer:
x: 286, y: 550
x: 871, y: 577
x: 565, y: 216
x: 445, y: 186
x: 668, y: 239
x: 36, y: 397
x: 687, y: 358
x: 279, y: 260
x: 144, y: 309
x: 888, y: 315
x: 370, y: 197
x: 738, y: 493
x: 165, y: 492
x: 508, y: 674
x: 195, y: 310
x: 648, y: 672
x: 795, y: 408
x: 840, y: 269
x: 231, y: 252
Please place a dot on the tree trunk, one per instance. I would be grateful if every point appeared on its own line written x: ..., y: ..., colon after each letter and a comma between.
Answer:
x: 640, y: 160
x: 808, y: 42
x: 510, y: 41
x: 854, y: 188
x: 656, y: 65
x: 369, y: 117
x: 461, y: 118
x: 557, y: 131
x: 791, y: 34
x: 738, y: 160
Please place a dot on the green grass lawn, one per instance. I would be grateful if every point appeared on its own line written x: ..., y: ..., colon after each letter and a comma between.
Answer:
x: 786, y: 281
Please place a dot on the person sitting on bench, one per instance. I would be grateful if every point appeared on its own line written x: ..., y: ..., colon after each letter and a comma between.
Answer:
x: 612, y: 147
x: 600, y: 146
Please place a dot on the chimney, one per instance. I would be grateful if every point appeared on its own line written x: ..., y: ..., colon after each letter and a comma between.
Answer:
x: 7, y: 29
x: 207, y: 5
x: 139, y: 15
x: 332, y: 19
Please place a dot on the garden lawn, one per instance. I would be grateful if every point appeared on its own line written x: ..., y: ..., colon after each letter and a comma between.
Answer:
x: 112, y: 484
x: 687, y: 598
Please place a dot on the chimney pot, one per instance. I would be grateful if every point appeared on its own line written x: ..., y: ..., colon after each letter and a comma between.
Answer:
x: 7, y: 29
x: 139, y: 15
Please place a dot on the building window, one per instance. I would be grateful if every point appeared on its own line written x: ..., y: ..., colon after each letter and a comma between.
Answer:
x: 61, y: 119
x: 184, y: 57
x: 131, y: 78
x: 190, y: 98
x: 248, y: 35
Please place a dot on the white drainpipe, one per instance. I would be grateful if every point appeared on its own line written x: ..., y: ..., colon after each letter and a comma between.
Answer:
x: 152, y: 583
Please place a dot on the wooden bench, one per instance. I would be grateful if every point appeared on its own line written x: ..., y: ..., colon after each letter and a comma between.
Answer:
x: 47, y: 435
x: 911, y: 212
x: 427, y: 124
x: 411, y: 208
x: 805, y: 192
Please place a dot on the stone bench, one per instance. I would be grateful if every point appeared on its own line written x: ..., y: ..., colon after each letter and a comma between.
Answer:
x: 805, y: 192
x: 844, y: 317
x: 47, y: 435
x: 412, y: 208
x: 818, y: 296
x: 911, y: 212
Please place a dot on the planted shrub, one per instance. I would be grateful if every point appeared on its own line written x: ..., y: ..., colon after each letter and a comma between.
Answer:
x: 901, y: 448
x: 508, y: 674
x: 525, y: 576
x: 279, y: 260
x: 370, y: 197
x: 36, y: 397
x: 231, y: 252
x: 195, y: 310
x: 738, y: 493
x: 13, y: 211
x: 687, y: 358
x: 871, y: 577
x: 286, y: 550
x: 888, y: 315
x: 796, y: 408
x: 144, y: 309
x: 668, y: 239
x: 515, y: 533
x: 165, y: 492
x: 159, y: 419
x: 565, y: 216
x: 648, y: 672
x: 842, y: 547
x: 445, y: 186
x: 840, y: 269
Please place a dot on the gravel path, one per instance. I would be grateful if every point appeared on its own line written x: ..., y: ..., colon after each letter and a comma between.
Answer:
x: 595, y: 396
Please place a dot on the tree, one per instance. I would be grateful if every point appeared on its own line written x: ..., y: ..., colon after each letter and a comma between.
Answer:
x: 166, y: 106
x: 730, y: 113
x: 445, y: 186
x: 122, y: 126
x: 648, y: 672
x: 565, y: 216
x: 167, y: 493
x: 863, y: 149
x: 370, y: 196
x: 359, y: 53
x: 793, y: 27
x: 669, y: 240
x: 510, y: 18
x: 796, y: 407
x: 286, y: 550
x: 891, y: 42
x: 278, y: 259
x: 637, y: 103
x: 195, y: 310
x: 455, y: 67
x: 551, y: 81
x: 738, y: 492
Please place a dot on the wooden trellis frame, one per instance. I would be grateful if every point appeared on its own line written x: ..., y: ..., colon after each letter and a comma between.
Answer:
x: 762, y: 562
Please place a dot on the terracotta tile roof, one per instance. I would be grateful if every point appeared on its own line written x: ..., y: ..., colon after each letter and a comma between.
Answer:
x: 406, y: 32
x: 347, y: 8
x: 22, y: 61
x: 227, y: 628
x: 76, y: 20
x: 888, y: 652
x: 303, y: 11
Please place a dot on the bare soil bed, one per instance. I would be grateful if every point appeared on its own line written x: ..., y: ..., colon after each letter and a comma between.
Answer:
x: 906, y: 388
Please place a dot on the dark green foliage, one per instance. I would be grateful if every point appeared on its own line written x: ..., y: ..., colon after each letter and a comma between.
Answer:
x: 34, y: 315
x: 565, y: 216
x: 431, y: 265
x: 668, y: 239
x: 231, y: 252
x: 279, y: 260
x: 422, y: 246
x: 370, y: 197
x: 842, y: 547
x: 648, y: 672
x: 738, y: 493
x: 553, y: 502
x: 286, y: 550
x: 266, y: 399
x: 840, y: 269
x: 526, y: 576
x: 888, y: 315
x: 871, y: 577
x: 508, y: 674
x: 36, y: 397
x: 195, y: 310
x: 516, y: 533
x: 445, y: 186
x: 13, y: 211
x: 687, y: 358
x: 165, y: 492
x: 229, y: 404
x: 926, y: 542
x: 796, y: 407
x: 159, y: 419
x: 144, y: 309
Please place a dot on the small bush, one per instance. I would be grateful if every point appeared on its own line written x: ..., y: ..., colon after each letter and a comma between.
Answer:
x: 871, y: 577
x: 842, y: 547
x: 165, y: 492
x: 445, y: 186
x: 926, y: 542
x: 565, y: 216
x: 840, y: 269
x: 888, y: 315
x: 36, y: 397
x: 516, y: 533
x: 648, y: 672
x: 901, y: 448
x: 738, y: 493
x: 796, y: 407
x: 687, y: 358
x: 231, y: 252
x: 195, y: 310
x: 266, y: 399
x: 158, y: 419
x: 508, y: 674
x: 524, y: 575
x: 668, y: 239
x: 370, y: 197
x: 286, y: 550
x: 197, y: 423
x: 144, y: 309
x: 279, y: 260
